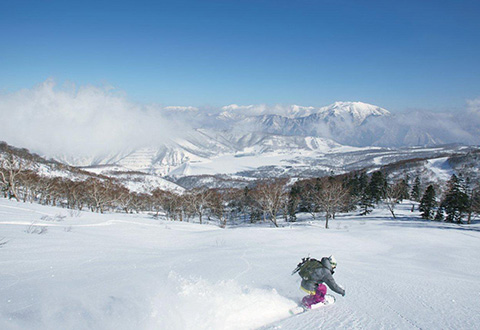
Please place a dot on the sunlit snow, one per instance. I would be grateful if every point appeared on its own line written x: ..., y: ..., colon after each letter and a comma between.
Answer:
x: 118, y: 271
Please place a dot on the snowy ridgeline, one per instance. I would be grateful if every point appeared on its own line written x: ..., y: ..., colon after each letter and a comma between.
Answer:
x: 75, y: 270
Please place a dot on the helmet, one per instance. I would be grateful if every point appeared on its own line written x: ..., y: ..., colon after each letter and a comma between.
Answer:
x: 333, y: 262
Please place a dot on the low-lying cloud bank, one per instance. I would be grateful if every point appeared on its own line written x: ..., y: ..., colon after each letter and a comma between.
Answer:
x: 82, y: 121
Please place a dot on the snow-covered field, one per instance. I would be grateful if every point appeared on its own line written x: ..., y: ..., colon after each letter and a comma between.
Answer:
x: 74, y: 270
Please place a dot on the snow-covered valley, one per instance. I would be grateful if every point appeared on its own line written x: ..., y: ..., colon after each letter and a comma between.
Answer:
x: 65, y: 269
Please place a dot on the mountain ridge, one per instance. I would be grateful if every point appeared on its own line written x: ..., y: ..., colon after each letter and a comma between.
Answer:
x: 281, y: 133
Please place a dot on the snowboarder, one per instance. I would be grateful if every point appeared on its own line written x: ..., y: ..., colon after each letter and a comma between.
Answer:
x: 314, y: 273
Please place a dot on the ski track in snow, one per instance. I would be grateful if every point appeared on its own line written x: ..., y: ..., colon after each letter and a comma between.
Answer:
x: 248, y: 267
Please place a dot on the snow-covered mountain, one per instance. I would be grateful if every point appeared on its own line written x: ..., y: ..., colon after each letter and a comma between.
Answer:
x: 239, y: 138
x: 357, y: 112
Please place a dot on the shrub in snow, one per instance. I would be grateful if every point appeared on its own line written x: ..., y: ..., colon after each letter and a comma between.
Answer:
x: 3, y: 242
x: 34, y: 229
x: 56, y: 218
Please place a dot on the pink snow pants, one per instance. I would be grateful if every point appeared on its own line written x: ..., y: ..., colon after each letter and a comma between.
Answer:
x: 312, y: 299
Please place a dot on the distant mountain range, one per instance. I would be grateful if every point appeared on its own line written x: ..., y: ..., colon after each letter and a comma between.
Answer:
x: 242, y: 138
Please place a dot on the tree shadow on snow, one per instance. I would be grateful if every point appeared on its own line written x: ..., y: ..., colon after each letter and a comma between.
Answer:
x: 415, y: 223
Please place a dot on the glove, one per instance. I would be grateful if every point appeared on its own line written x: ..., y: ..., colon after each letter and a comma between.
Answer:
x: 343, y: 294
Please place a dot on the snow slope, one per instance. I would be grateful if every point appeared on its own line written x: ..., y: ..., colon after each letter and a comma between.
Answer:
x: 138, y: 182
x: 441, y: 168
x: 118, y: 271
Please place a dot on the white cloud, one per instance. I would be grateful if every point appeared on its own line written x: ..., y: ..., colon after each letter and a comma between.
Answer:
x: 78, y: 122
x: 264, y: 109
x: 181, y: 108
x: 473, y: 106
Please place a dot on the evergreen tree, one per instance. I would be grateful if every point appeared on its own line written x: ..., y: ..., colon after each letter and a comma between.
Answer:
x: 456, y: 200
x: 415, y: 193
x: 362, y: 183
x: 475, y: 200
x: 294, y: 199
x: 377, y: 186
x: 360, y: 190
x: 366, y: 202
x: 439, y: 215
x: 357, y: 184
x: 428, y: 203
x: 353, y: 183
x: 470, y: 191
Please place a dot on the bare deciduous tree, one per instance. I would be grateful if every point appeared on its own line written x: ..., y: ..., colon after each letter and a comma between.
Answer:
x: 102, y: 194
x: 393, y: 196
x: 10, y: 169
x: 217, y: 206
x: 331, y: 198
x: 271, y: 196
x: 29, y: 181
x: 170, y: 202
x: 198, y: 201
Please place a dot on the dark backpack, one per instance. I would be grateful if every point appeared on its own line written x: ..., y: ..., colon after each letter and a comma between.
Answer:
x: 306, y: 268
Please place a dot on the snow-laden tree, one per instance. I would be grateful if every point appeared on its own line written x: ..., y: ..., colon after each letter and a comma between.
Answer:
x: 456, y: 200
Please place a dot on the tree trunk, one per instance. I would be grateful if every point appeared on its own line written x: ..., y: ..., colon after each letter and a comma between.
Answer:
x: 274, y: 220
x: 393, y: 214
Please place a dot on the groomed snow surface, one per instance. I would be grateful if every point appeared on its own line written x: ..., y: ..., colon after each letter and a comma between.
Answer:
x: 81, y: 270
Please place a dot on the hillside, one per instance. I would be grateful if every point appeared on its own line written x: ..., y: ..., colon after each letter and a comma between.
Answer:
x: 87, y: 270
x: 433, y: 165
x: 31, y: 163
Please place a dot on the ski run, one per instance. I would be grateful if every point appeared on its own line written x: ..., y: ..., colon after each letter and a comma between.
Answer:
x: 63, y: 269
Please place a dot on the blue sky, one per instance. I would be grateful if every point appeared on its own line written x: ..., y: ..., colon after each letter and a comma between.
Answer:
x: 396, y: 54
